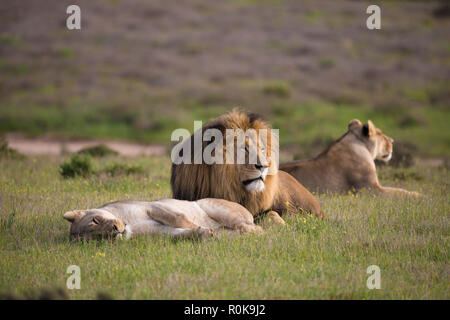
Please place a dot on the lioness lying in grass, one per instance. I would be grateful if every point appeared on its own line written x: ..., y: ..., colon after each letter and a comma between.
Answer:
x: 176, y: 218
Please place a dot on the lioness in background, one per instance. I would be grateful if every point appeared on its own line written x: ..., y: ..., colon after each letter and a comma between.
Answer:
x: 348, y: 163
x: 175, y: 218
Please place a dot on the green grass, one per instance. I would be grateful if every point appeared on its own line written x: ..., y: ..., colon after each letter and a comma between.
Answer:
x: 66, y: 53
x: 279, y: 89
x: 9, y: 40
x: 326, y: 62
x: 308, y: 258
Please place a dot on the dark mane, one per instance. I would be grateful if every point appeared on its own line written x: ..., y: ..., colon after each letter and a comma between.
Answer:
x: 252, y: 117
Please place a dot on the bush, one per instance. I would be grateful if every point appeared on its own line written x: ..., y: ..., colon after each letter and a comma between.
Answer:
x: 122, y: 168
x: 99, y: 151
x: 7, y: 153
x: 326, y: 63
x: 402, y: 156
x: 278, y: 89
x: 78, y: 165
x: 401, y: 174
x: 83, y: 165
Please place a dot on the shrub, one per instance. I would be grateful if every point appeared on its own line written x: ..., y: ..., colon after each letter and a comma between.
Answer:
x: 122, y: 168
x: 401, y: 174
x: 279, y: 89
x: 7, y: 153
x: 402, y: 156
x: 326, y: 62
x: 78, y: 165
x: 99, y: 151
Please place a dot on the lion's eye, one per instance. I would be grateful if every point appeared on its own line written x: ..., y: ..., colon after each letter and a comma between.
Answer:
x: 95, y: 220
x: 244, y: 148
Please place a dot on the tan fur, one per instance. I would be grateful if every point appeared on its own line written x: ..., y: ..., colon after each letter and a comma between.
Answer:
x: 271, y: 218
x: 293, y: 197
x: 348, y: 163
x: 176, y: 218
x: 225, y: 181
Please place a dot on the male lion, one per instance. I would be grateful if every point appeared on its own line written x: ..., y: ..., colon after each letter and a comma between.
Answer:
x: 348, y: 163
x: 176, y: 218
x: 259, y: 187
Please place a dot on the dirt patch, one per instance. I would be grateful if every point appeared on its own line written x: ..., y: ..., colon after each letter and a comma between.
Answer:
x: 37, y: 146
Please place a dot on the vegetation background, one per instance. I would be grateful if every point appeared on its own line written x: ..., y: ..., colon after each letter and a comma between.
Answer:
x: 139, y: 69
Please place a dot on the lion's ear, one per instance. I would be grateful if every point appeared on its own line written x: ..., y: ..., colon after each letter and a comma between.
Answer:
x: 355, y: 123
x: 368, y: 128
x: 72, y: 215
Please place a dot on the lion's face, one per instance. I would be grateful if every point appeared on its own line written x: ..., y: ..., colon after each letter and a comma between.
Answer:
x: 379, y: 145
x: 94, y: 224
x: 253, y: 174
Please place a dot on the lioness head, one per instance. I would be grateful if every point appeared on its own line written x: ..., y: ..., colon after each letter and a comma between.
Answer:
x: 378, y: 144
x: 94, y: 224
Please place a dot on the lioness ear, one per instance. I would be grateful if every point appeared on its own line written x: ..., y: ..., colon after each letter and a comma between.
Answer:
x: 368, y: 128
x: 72, y: 215
x: 353, y: 124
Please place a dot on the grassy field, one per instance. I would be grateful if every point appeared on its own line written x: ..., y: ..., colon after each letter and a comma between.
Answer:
x: 307, y: 259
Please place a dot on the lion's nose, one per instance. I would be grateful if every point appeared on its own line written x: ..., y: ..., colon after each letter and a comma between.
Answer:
x: 260, y: 167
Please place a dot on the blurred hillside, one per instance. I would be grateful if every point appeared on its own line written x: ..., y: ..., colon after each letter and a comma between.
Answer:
x: 139, y: 69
